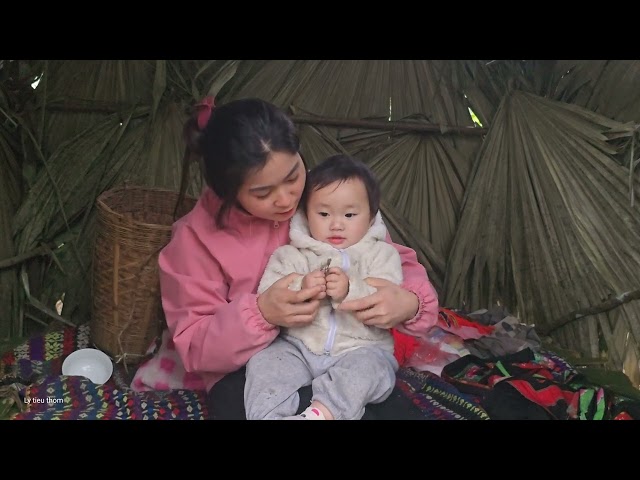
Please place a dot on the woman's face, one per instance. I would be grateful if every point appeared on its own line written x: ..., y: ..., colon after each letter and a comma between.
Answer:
x: 274, y: 191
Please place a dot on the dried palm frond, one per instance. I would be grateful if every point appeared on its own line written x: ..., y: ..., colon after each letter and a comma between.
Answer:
x: 546, y: 225
x: 617, y: 331
x: 198, y: 78
x: 58, y: 207
x: 607, y: 87
x: 485, y: 82
x: 16, y: 77
x: 385, y: 89
x: 277, y: 81
x: 424, y: 177
x: 10, y: 196
x: 610, y: 88
x: 366, y: 144
x: 245, y: 72
x: 79, y: 86
x: 405, y: 233
x: 575, y: 80
x: 317, y: 144
x: 59, y: 193
x: 160, y: 163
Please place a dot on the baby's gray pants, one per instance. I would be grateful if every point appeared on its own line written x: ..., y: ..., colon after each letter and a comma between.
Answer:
x: 344, y: 384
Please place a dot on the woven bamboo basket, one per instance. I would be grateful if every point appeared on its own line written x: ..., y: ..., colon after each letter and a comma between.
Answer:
x: 133, y: 225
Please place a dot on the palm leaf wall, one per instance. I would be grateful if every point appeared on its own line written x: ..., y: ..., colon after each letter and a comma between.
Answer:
x: 80, y: 92
x: 91, y: 150
x: 607, y: 87
x: 387, y: 89
x: 424, y: 177
x: 547, y: 227
x: 15, y: 149
x: 10, y: 196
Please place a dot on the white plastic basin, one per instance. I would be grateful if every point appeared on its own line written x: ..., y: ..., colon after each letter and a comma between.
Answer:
x: 90, y: 363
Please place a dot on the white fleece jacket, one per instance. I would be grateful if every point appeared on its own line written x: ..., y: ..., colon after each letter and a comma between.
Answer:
x: 334, y: 332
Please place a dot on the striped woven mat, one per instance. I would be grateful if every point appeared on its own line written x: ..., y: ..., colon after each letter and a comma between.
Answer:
x: 35, y: 370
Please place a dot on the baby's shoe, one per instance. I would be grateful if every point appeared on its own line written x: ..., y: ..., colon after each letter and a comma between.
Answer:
x: 308, y: 414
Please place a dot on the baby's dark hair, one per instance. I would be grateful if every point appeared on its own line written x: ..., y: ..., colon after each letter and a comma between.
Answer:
x: 236, y: 140
x: 339, y: 168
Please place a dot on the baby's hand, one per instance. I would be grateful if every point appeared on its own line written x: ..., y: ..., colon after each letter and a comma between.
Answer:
x: 314, y: 278
x: 337, y: 284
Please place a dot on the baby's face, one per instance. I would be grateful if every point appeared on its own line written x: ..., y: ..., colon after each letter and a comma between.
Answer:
x: 339, y: 214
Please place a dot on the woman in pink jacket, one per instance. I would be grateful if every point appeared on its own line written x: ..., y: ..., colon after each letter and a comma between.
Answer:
x: 211, y: 268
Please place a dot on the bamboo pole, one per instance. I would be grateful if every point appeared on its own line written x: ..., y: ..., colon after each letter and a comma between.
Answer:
x: 403, y: 126
x: 76, y: 106
x: 600, y: 308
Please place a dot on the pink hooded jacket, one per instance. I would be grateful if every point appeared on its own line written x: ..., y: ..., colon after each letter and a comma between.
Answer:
x: 209, y: 278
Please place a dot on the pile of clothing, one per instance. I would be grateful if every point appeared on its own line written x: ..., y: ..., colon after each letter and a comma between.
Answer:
x: 498, y: 361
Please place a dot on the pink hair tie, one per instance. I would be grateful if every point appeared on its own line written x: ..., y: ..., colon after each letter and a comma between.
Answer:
x: 205, y: 106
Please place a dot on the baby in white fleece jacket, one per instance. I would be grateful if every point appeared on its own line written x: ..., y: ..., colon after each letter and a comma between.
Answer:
x: 339, y: 243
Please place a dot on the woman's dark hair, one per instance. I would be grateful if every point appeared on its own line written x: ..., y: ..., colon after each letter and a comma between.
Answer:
x: 237, y: 139
x: 339, y: 168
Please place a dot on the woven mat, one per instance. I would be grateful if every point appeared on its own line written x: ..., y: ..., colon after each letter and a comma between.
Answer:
x: 437, y: 399
x: 35, y: 370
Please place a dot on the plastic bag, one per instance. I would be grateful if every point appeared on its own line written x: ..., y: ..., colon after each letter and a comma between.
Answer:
x: 437, y: 349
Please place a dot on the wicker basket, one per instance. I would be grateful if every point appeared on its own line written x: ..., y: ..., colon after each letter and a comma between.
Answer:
x: 134, y: 224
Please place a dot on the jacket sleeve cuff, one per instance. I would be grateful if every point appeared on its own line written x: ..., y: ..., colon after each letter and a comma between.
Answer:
x: 427, y: 304
x: 255, y: 316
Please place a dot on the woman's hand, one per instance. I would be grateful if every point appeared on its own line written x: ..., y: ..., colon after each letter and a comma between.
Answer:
x: 386, y: 308
x: 286, y: 308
